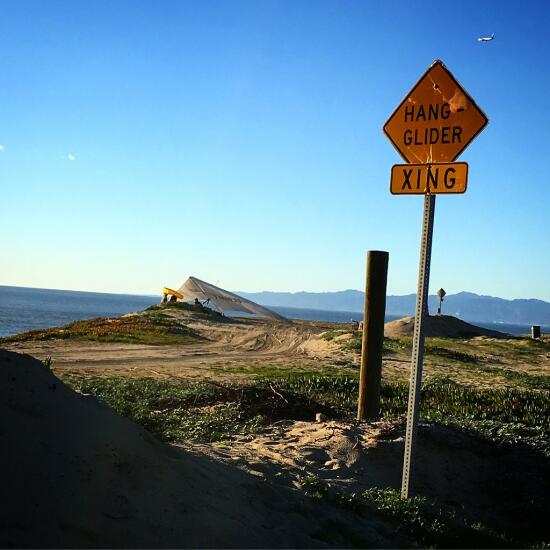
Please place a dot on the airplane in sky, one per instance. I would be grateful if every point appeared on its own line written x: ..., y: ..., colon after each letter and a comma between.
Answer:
x: 486, y: 38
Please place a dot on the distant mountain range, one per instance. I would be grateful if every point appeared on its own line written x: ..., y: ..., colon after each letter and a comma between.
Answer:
x: 465, y: 305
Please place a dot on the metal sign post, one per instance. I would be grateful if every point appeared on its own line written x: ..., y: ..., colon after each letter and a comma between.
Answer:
x: 413, y: 410
x: 433, y: 124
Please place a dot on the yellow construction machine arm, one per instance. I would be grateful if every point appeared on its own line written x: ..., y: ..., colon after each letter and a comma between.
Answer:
x: 168, y: 291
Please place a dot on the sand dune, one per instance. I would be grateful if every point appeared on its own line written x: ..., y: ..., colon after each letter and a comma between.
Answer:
x: 444, y: 326
x: 74, y: 473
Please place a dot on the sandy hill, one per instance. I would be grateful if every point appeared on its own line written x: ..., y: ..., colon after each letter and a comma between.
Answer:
x: 440, y: 325
x: 76, y: 474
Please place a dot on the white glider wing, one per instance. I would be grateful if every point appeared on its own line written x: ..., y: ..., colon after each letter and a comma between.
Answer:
x: 223, y: 299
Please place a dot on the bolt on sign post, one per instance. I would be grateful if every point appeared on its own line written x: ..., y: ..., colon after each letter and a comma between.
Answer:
x: 435, y: 122
x: 368, y: 406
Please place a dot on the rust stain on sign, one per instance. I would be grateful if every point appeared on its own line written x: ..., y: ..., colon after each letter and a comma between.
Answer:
x: 437, y: 119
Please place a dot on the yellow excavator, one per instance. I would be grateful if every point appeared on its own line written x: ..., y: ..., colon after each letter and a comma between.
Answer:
x: 174, y: 295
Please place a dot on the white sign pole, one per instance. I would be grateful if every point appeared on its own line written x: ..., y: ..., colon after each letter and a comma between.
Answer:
x: 413, y: 410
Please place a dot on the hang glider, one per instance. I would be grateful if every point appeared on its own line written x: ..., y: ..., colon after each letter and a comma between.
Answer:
x: 486, y: 38
x: 224, y: 300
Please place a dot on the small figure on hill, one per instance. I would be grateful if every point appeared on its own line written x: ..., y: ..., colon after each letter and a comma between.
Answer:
x: 198, y: 306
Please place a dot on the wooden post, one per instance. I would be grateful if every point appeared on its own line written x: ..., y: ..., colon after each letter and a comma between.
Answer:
x: 368, y: 407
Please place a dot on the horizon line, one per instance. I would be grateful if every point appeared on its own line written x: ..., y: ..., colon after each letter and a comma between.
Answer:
x: 150, y: 295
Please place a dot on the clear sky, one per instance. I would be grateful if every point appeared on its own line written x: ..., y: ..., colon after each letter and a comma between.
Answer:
x: 240, y: 142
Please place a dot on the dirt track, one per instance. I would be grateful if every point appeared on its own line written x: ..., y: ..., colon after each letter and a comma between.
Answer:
x: 225, y: 344
x: 235, y: 349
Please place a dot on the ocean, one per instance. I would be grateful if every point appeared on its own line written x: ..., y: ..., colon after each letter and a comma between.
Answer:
x: 24, y: 309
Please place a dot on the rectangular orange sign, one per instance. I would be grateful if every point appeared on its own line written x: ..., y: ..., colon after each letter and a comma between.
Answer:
x: 418, y: 179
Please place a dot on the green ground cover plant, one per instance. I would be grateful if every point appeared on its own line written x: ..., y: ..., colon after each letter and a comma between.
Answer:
x: 329, y: 335
x: 214, y: 412
x: 438, y: 348
x: 521, y: 379
x: 472, y: 351
x: 275, y: 371
x: 430, y: 524
x: 427, y: 523
x: 204, y: 412
x: 151, y: 329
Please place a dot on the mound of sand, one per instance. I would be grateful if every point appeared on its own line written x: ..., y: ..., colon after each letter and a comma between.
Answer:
x: 76, y: 474
x: 440, y: 325
x: 480, y: 480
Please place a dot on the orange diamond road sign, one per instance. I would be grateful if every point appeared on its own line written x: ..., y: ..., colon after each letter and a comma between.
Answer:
x: 418, y: 179
x: 437, y: 119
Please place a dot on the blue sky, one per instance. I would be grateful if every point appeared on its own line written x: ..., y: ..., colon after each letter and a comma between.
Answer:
x: 241, y: 142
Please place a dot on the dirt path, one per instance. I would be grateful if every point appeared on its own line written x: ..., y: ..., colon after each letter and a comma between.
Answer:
x: 239, y: 349
x: 225, y: 345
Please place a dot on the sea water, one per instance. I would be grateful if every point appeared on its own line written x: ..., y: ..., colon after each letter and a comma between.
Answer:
x: 23, y: 309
